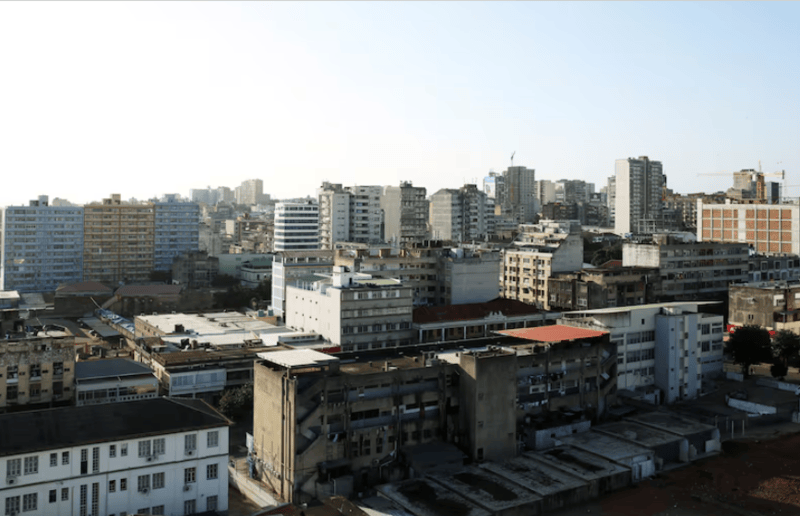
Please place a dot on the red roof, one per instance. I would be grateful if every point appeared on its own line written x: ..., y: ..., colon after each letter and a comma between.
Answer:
x: 555, y: 333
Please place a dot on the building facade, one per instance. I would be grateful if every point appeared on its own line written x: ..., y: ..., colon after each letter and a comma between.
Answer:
x: 296, y: 226
x: 37, y: 370
x: 175, y: 461
x: 41, y: 246
x: 774, y: 305
x: 458, y: 215
x: 287, y: 266
x: 405, y: 213
x: 349, y: 214
x: 177, y: 231
x: 638, y: 196
x: 768, y: 229
x: 519, y: 198
x: 604, y: 287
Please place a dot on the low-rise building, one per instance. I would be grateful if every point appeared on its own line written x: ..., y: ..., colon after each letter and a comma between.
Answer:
x: 157, y: 456
x: 289, y: 265
x: 672, y: 346
x: 37, y: 369
x: 113, y: 381
x: 782, y: 267
x: 603, y: 287
x: 771, y: 305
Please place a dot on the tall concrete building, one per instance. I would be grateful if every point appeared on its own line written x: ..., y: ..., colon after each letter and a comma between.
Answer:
x: 177, y: 231
x: 296, y: 226
x: 349, y: 214
x: 519, y: 197
x: 290, y: 265
x: 250, y: 192
x: 405, y: 213
x: 458, y: 215
x: 41, y: 246
x: 638, y: 196
x: 118, y: 241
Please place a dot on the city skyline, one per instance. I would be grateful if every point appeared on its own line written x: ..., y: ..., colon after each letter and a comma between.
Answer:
x: 152, y: 98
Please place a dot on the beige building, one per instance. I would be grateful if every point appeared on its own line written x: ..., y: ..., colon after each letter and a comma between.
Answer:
x: 37, y: 370
x: 542, y: 250
x: 771, y: 305
x: 328, y: 425
x: 118, y: 242
x: 354, y: 311
x: 405, y: 213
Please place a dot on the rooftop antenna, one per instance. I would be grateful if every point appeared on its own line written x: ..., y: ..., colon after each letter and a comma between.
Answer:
x: 512, y: 158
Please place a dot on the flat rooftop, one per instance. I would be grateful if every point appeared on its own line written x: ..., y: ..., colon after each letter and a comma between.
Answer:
x: 671, y: 423
x: 554, y: 333
x: 426, y: 498
x: 110, y: 368
x: 490, y: 491
x: 640, y: 434
x: 206, y: 324
x: 605, y: 446
x: 577, y: 462
x: 298, y: 358
x: 534, y: 475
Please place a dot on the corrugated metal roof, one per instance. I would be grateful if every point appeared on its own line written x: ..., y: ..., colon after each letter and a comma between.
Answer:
x: 555, y: 333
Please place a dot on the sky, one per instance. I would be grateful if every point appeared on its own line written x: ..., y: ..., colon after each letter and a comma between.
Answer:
x: 146, y: 98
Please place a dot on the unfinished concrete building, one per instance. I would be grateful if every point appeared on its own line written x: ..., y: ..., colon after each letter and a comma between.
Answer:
x: 604, y: 287
x: 37, y: 370
x: 771, y: 305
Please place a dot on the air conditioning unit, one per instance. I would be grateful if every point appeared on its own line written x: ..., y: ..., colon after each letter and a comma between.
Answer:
x: 12, y: 480
x: 149, y: 459
x: 144, y: 490
x: 187, y: 487
x: 190, y: 453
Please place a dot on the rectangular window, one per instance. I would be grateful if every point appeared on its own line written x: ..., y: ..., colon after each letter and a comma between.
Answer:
x: 64, y: 458
x: 31, y: 465
x: 159, y: 446
x: 29, y: 502
x: 95, y: 459
x: 144, y: 510
x: 143, y: 483
x: 189, y: 475
x: 189, y: 507
x: 112, y: 486
x: 84, y: 461
x: 211, y: 503
x: 112, y: 451
x: 14, y: 468
x: 158, y: 480
x: 213, y: 439
x: 211, y: 471
x: 64, y: 493
x: 144, y: 448
x: 53, y: 459
x: 158, y: 509
x: 53, y: 496
x: 123, y: 484
x: 12, y: 505
x: 123, y: 450
x: 190, y: 442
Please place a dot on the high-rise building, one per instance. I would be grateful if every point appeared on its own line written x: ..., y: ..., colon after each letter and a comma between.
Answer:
x: 250, y: 192
x: 458, y: 215
x: 296, y: 226
x: 639, y: 191
x: 519, y: 197
x: 349, y: 214
x: 118, y: 241
x: 177, y: 231
x: 405, y: 213
x: 41, y: 246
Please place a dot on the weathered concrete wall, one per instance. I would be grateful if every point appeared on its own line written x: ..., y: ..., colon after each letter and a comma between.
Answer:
x: 749, y: 406
x: 545, y: 439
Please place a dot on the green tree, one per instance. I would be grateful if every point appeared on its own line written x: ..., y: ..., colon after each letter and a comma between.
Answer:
x: 786, y: 347
x: 749, y: 345
x: 237, y: 402
x: 778, y: 369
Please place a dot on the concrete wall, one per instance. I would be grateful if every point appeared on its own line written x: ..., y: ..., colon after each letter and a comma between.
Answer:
x: 548, y: 438
x: 751, y: 407
x: 640, y: 255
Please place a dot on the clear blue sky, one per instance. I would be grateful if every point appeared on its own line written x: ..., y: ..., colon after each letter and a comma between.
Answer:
x: 153, y: 97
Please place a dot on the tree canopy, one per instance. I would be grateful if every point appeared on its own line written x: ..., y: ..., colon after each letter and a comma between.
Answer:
x: 749, y: 345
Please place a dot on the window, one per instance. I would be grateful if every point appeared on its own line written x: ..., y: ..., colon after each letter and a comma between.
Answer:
x: 190, y: 442
x: 123, y: 484
x: 12, y: 505
x: 213, y: 439
x: 95, y: 459
x: 144, y: 448
x: 53, y: 459
x: 189, y: 475
x: 84, y: 461
x: 112, y: 451
x: 159, y: 446
x: 211, y: 471
x: 64, y: 493
x: 143, y: 483
x: 31, y: 465
x: 123, y: 450
x: 13, y: 467
x: 211, y: 503
x: 112, y: 486
x: 144, y: 510
x: 158, y: 509
x: 53, y: 496
x: 189, y: 507
x: 64, y: 458
x: 158, y: 480
x: 29, y: 502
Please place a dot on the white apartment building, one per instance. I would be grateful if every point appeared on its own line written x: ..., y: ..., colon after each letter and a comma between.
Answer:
x: 41, y: 246
x: 349, y: 214
x: 158, y: 456
x: 289, y: 265
x: 354, y: 311
x: 296, y: 226
x: 638, y: 196
x: 672, y: 346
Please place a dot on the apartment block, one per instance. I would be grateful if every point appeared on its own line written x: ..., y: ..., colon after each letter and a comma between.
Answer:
x: 774, y: 267
x: 296, y: 226
x: 36, y: 370
x: 119, y: 241
x: 195, y: 269
x: 177, y: 231
x: 774, y: 305
x: 674, y: 347
x: 519, y: 196
x: 251, y: 192
x: 405, y: 213
x: 543, y: 250
x: 114, y: 380
x: 289, y: 265
x: 639, y: 190
x: 352, y: 311
x: 690, y: 270
x: 108, y: 459
x: 458, y: 215
x: 41, y: 246
x: 349, y: 214
x: 604, y: 287
x: 769, y: 229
